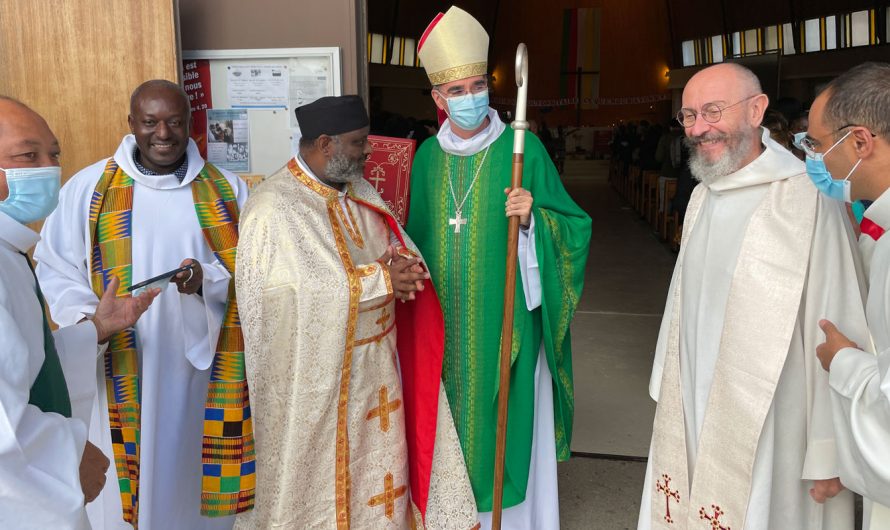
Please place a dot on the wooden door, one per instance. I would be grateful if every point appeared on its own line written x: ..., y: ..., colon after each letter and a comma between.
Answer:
x: 77, y: 61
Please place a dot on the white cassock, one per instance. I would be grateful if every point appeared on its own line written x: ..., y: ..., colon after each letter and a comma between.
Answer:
x: 861, y: 384
x: 540, y: 509
x: 724, y: 339
x: 40, y: 452
x: 176, y: 336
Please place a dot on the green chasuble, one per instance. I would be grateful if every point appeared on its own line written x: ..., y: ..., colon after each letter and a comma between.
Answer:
x: 468, y: 270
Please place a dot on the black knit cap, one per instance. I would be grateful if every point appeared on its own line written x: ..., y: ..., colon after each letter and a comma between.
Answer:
x: 332, y: 115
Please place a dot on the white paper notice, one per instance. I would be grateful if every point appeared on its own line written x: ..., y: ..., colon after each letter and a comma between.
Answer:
x: 228, y: 139
x: 308, y: 81
x: 262, y: 85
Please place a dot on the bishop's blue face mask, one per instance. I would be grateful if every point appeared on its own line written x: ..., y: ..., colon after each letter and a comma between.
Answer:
x: 821, y: 177
x: 469, y: 110
x: 33, y: 192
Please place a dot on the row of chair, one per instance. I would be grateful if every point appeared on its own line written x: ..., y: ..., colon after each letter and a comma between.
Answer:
x: 640, y: 189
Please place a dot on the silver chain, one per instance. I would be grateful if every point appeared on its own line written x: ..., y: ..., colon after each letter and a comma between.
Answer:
x: 458, y: 208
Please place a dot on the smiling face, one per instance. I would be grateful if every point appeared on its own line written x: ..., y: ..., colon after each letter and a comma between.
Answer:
x: 159, y: 119
x: 731, y: 142
x: 25, y: 141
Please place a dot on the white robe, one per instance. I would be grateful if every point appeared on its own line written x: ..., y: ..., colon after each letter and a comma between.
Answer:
x: 861, y: 387
x: 796, y: 444
x: 40, y: 452
x: 540, y: 509
x: 176, y: 336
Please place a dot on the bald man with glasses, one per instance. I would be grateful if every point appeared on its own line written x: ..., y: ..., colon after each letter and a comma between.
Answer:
x: 743, y: 435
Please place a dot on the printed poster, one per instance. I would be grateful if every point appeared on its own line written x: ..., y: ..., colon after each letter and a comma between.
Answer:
x: 258, y: 85
x: 228, y: 143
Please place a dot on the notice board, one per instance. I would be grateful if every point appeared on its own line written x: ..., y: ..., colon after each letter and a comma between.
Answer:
x: 243, y: 102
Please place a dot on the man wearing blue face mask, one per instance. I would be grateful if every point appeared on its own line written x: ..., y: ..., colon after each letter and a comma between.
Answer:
x: 48, y: 469
x: 458, y: 219
x: 847, y: 149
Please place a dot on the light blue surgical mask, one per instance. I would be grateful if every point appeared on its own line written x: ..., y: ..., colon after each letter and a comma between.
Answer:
x: 821, y: 177
x: 469, y: 110
x: 33, y: 192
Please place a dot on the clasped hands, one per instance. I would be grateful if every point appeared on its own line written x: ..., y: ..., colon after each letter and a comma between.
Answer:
x: 405, y: 273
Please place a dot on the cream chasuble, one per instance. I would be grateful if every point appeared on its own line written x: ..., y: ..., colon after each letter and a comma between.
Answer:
x: 743, y: 422
x: 318, y: 315
x: 861, y: 384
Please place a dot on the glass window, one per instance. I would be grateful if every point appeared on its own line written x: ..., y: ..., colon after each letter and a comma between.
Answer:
x: 736, y: 43
x: 717, y: 46
x: 376, y: 48
x: 751, y: 41
x: 689, y: 53
x: 788, y: 45
x: 812, y: 36
x: 860, y: 28
x: 830, y: 33
x: 410, y: 45
x: 771, y: 38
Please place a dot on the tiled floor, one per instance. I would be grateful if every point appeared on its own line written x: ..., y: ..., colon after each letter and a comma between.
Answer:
x: 613, y: 337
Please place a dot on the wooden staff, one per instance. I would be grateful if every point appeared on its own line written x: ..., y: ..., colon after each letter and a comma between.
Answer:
x: 519, y: 126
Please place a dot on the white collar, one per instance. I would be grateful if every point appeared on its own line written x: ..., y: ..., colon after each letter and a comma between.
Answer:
x: 879, y: 211
x: 305, y: 167
x: 15, y: 235
x: 124, y: 157
x: 455, y: 145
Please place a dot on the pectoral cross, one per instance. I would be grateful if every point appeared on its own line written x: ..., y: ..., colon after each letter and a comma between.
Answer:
x: 668, y: 495
x: 457, y: 221
x: 713, y: 520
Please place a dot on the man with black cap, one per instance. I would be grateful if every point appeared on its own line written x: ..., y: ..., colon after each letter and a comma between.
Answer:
x: 346, y: 433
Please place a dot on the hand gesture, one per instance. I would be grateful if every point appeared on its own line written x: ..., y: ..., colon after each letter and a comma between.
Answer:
x: 835, y: 341
x: 115, y: 314
x: 519, y: 203
x: 93, y: 465
x: 823, y: 490
x: 406, y: 274
x: 188, y: 282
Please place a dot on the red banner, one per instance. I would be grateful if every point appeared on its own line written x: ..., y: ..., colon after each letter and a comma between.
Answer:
x: 196, y: 82
x: 389, y: 170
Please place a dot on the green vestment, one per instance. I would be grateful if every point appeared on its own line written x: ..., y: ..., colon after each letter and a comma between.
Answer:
x: 468, y: 270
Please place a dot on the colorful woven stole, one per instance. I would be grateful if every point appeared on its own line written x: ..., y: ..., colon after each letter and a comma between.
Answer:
x: 228, y: 449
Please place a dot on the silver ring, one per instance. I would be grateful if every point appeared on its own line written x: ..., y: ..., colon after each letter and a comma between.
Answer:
x: 191, y: 275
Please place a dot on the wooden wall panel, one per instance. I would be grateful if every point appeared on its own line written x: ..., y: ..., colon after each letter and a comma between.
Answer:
x: 77, y: 61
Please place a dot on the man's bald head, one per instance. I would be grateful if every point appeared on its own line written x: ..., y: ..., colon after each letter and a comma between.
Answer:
x: 158, y: 87
x: 724, y: 105
x: 25, y: 140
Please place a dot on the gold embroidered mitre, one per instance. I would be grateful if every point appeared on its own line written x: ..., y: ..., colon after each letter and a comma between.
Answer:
x: 454, y: 46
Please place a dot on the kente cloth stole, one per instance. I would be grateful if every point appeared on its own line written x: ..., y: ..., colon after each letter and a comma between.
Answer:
x: 228, y: 458
x: 761, y: 311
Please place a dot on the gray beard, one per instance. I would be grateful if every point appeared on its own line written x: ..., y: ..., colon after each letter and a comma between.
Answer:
x: 341, y: 169
x: 738, y: 145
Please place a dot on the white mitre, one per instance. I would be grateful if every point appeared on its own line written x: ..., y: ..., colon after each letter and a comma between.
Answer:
x: 454, y: 46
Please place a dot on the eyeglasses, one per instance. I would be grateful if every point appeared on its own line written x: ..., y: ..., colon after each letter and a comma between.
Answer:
x: 457, y: 91
x: 710, y: 112
x: 808, y: 144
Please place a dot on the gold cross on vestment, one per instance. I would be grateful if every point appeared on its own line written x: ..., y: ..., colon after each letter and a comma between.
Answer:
x: 384, y: 409
x: 457, y: 221
x: 388, y: 497
x: 383, y: 320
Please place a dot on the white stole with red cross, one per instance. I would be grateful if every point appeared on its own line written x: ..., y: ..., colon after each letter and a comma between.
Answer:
x: 761, y: 311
